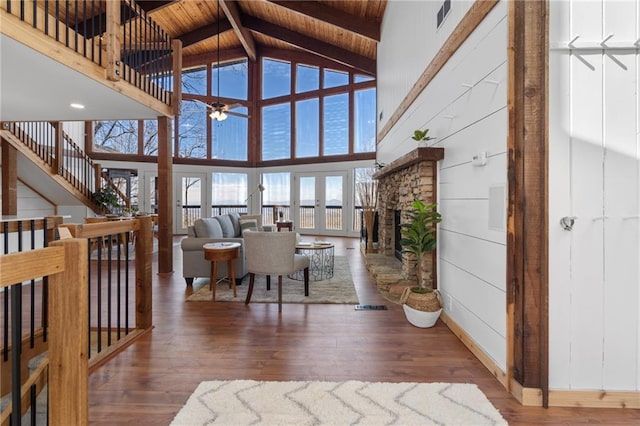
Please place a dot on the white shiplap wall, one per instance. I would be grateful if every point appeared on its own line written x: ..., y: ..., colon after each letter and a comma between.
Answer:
x: 594, y: 174
x: 465, y: 109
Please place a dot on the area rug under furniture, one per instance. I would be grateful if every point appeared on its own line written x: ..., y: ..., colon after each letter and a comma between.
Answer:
x: 244, y: 402
x: 339, y: 289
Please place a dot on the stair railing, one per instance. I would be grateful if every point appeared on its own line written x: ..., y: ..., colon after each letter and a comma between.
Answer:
x: 64, y: 157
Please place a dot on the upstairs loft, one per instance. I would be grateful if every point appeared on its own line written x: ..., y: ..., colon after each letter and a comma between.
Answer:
x: 110, y: 57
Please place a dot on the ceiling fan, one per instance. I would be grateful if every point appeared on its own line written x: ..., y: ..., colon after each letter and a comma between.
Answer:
x: 220, y: 111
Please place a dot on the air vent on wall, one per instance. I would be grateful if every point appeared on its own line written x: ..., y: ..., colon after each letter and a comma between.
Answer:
x: 443, y: 11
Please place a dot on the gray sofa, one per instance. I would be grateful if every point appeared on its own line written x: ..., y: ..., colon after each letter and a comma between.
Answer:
x: 223, y: 228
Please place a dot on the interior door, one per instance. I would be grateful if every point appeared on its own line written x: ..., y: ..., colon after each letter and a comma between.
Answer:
x: 320, y: 203
x: 190, y: 198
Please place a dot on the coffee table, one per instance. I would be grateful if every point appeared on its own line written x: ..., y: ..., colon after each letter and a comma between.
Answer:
x: 220, y: 252
x: 320, y: 256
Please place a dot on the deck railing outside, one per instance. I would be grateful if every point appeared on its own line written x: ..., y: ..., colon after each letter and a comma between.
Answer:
x: 334, y: 215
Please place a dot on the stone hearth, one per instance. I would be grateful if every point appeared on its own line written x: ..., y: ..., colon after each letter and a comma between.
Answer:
x: 410, y: 177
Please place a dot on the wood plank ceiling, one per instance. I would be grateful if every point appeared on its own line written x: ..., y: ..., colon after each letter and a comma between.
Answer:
x: 345, y: 31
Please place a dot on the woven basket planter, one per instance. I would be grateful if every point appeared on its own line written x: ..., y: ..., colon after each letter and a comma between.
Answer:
x: 421, y: 309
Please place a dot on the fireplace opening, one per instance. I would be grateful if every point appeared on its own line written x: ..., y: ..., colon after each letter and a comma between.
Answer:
x: 397, y: 234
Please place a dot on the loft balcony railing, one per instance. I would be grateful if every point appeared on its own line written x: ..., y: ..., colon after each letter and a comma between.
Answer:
x: 119, y: 36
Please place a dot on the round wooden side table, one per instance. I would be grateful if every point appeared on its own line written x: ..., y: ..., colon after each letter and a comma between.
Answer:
x: 221, y: 252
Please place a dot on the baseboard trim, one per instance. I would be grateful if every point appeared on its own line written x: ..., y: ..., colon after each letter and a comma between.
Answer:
x: 594, y: 399
x: 475, y: 349
x: 532, y: 397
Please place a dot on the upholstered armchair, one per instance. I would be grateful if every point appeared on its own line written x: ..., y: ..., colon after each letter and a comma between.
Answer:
x: 273, y: 253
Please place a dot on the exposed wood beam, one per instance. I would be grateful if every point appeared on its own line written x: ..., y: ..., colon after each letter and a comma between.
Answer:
x: 203, y: 58
x: 232, y: 12
x: 150, y: 6
x: 311, y: 44
x: 203, y: 33
x: 321, y: 12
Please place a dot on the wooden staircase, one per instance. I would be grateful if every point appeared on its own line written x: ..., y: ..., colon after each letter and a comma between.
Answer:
x: 47, y: 146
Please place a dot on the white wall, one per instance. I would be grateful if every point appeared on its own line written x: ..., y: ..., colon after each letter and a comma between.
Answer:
x: 465, y: 109
x: 595, y: 175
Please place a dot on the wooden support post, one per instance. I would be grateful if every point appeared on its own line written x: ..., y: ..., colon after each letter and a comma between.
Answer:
x: 527, y: 229
x: 69, y: 334
x: 97, y: 168
x: 58, y: 161
x: 144, y: 248
x: 165, y: 197
x: 9, y: 179
x: 114, y: 64
x: 176, y: 95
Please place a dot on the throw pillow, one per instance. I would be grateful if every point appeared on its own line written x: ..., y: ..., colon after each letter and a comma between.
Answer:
x: 235, y: 221
x: 207, y: 228
x: 248, y: 225
x: 226, y: 225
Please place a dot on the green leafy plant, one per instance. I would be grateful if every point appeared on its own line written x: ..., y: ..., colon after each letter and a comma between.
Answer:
x: 419, y: 237
x: 105, y: 199
x: 421, y: 135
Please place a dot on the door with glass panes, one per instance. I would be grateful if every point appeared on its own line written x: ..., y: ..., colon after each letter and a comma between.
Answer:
x: 320, y: 206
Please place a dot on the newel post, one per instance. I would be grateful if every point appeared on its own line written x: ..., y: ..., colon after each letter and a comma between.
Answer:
x: 69, y: 337
x: 144, y: 248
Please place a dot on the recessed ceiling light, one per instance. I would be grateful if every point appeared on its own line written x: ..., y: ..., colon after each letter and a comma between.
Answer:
x: 77, y: 106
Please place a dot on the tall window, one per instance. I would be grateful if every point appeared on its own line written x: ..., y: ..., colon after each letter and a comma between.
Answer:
x: 230, y: 137
x: 276, y: 78
x: 365, y: 121
x: 336, y: 124
x: 234, y: 80
x: 307, y: 128
x: 276, y: 196
x: 116, y: 136
x: 320, y: 109
x: 192, y: 131
x: 228, y: 192
x: 276, y: 132
x: 194, y: 81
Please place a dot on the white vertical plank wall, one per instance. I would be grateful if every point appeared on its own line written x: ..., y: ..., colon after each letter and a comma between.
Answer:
x: 594, y: 175
x: 465, y: 109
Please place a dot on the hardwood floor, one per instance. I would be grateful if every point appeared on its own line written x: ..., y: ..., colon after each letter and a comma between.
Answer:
x: 195, y: 341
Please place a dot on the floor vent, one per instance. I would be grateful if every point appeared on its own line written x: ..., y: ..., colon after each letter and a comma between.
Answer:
x: 370, y: 307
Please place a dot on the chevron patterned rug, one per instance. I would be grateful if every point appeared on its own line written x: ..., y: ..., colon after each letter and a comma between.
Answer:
x: 245, y: 402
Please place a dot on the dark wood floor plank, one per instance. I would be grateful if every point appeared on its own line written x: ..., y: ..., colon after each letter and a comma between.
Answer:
x: 195, y: 341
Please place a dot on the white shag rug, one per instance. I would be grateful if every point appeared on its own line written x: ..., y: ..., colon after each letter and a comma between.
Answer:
x: 249, y: 402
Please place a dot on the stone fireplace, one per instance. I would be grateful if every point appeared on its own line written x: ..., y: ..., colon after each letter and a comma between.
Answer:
x: 412, y: 176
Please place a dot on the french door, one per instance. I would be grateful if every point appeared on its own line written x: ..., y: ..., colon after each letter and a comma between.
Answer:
x: 320, y: 203
x: 190, y: 199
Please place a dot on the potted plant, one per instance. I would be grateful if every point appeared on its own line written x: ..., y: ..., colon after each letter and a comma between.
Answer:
x: 105, y: 199
x: 421, y: 304
x: 421, y: 137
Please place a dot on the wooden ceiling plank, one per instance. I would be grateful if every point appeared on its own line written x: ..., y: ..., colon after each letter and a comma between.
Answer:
x: 321, y: 12
x: 150, y: 6
x: 232, y: 12
x: 310, y: 44
x: 203, y: 33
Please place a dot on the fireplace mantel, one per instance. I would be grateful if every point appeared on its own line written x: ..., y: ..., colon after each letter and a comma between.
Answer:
x: 413, y: 157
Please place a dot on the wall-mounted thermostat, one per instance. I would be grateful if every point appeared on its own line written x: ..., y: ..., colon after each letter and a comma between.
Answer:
x: 479, y: 159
